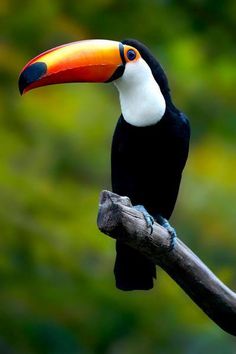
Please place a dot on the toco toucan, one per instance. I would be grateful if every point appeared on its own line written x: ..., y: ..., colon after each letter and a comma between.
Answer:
x: 151, y: 140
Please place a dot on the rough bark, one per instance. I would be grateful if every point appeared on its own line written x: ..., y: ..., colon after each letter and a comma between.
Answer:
x: 119, y: 220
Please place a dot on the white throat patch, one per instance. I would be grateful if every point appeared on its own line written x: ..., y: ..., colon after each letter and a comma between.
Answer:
x: 141, y: 100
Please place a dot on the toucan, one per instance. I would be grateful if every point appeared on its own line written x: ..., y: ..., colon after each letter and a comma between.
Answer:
x: 151, y: 139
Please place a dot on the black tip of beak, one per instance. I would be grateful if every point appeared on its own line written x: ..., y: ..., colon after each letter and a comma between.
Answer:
x: 31, y: 74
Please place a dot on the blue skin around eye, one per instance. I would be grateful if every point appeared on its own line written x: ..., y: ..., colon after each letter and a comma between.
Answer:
x: 131, y: 54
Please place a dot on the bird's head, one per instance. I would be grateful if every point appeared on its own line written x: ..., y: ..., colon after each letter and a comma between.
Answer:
x: 129, y: 64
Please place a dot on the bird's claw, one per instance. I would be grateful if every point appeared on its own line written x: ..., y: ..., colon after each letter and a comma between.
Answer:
x: 148, y: 218
x: 165, y: 223
x: 162, y: 221
x: 149, y: 221
x: 173, y: 236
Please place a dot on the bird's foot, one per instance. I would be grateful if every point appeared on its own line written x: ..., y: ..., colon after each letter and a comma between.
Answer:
x: 148, y: 218
x: 165, y: 223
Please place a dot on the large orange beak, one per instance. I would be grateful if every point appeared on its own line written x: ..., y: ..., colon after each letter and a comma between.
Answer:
x: 84, y: 61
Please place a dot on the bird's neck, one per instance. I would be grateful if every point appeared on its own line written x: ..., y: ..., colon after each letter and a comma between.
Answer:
x: 141, y: 100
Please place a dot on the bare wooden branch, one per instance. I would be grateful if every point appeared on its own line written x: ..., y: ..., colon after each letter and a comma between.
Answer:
x: 119, y: 220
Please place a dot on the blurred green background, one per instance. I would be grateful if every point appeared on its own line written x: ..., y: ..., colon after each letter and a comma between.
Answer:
x: 57, y: 292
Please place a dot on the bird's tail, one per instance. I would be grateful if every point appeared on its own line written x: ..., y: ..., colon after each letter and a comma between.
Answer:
x: 133, y: 271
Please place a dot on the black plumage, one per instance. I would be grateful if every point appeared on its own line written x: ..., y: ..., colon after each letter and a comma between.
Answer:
x: 147, y: 164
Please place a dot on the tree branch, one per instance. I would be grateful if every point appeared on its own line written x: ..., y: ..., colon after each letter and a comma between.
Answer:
x: 119, y: 220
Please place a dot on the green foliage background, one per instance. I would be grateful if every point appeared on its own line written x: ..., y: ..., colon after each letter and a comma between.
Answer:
x: 57, y: 291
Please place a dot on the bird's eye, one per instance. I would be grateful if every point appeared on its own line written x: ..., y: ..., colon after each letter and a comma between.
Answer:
x: 131, y: 55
